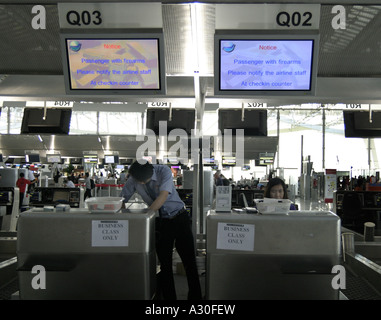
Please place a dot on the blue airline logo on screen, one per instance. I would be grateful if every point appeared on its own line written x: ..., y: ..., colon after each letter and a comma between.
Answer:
x: 75, y: 45
x: 229, y: 47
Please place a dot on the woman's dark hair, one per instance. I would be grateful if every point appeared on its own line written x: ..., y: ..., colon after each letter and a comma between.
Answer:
x: 141, y: 171
x: 274, y: 182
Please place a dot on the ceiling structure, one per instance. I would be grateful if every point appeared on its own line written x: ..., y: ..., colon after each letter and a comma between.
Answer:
x: 349, y: 62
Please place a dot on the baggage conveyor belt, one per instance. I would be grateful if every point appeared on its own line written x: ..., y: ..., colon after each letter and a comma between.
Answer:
x: 359, y: 288
x: 8, y: 289
x: 8, y: 278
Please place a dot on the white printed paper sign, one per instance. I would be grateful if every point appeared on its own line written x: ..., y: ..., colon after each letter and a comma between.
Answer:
x: 109, y: 233
x: 233, y: 236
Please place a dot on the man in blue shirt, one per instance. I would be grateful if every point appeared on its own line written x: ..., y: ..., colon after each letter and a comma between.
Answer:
x: 155, y: 185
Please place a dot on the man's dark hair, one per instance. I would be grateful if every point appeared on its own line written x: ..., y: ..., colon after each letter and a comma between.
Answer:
x: 141, y: 171
x: 21, y: 175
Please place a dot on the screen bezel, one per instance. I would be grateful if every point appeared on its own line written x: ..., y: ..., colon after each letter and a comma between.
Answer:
x: 229, y: 164
x: 87, y: 157
x: 28, y: 160
x: 123, y: 34
x: 49, y: 157
x: 227, y: 35
x: 115, y: 159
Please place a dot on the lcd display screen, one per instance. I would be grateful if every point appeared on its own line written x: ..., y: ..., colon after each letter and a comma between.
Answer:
x: 273, y: 64
x: 90, y: 158
x: 29, y: 158
x: 121, y: 63
x: 228, y: 161
x: 53, y: 158
x: 111, y: 159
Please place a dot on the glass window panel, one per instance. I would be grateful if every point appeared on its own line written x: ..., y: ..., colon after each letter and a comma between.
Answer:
x: 293, y: 125
x: 375, y: 155
x: 210, y: 123
x: 4, y: 120
x: 16, y: 115
x: 341, y: 153
x: 120, y: 123
x: 83, y: 122
x: 272, y: 122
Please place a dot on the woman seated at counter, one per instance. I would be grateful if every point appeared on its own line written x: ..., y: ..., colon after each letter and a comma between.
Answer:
x: 276, y: 189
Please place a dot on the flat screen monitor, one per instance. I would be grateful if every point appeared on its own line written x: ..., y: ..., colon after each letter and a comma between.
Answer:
x: 266, y: 159
x: 53, y: 158
x: 10, y: 160
x: 75, y: 160
x: 61, y: 196
x: 123, y: 62
x: 180, y: 119
x: 90, y: 158
x: 253, y: 124
x: 228, y: 161
x: 54, y: 121
x: 357, y: 124
x: 169, y: 160
x: 208, y: 161
x: 110, y: 159
x: 264, y: 63
x: 30, y: 158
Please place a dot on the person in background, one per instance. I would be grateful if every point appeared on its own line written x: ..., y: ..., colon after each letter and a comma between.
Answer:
x: 21, y: 183
x: 360, y: 184
x: 173, y: 226
x: 88, y: 186
x: 32, y: 178
x: 218, y: 179
x: 101, y: 178
x: 276, y: 189
x: 68, y: 183
x: 122, y: 177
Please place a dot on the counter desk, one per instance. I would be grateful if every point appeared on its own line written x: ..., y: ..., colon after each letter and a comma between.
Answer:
x: 85, y: 255
x: 252, y: 256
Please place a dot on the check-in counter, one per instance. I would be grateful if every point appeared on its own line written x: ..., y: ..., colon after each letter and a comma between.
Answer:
x: 86, y: 256
x: 252, y: 256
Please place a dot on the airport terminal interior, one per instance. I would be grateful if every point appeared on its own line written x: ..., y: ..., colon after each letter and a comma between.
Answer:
x: 227, y: 95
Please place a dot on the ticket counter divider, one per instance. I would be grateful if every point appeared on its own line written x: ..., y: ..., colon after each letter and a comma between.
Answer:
x: 9, y: 208
x: 87, y: 256
x: 253, y: 256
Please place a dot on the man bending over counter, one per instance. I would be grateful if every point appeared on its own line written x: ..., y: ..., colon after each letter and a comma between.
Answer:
x: 173, y: 226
